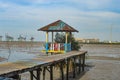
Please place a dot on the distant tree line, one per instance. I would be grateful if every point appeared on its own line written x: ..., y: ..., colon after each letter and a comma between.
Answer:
x: 20, y: 38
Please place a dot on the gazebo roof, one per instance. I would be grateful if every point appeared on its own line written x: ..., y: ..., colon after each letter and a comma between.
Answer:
x: 58, y: 26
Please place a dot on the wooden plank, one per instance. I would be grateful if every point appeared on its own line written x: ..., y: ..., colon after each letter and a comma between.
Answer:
x: 10, y: 69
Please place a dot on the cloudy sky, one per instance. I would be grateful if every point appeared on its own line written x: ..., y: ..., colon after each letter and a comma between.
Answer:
x: 92, y: 18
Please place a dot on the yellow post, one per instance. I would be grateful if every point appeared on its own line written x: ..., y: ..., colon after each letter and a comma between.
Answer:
x: 46, y: 37
x: 70, y: 47
x: 66, y: 41
x: 52, y: 40
x: 47, y: 42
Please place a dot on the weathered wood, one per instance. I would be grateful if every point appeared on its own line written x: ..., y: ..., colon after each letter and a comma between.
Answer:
x: 44, y: 72
x: 83, y: 62
x: 15, y: 68
x: 74, y: 67
x: 17, y: 77
x: 31, y: 75
x: 79, y: 64
x: 38, y: 72
x: 37, y: 76
x: 67, y: 70
x: 61, y: 69
x: 51, y: 72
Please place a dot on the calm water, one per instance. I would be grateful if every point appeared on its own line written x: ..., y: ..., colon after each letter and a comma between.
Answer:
x: 16, y: 54
x: 93, y: 50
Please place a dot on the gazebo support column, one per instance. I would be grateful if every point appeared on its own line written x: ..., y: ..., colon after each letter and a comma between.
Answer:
x: 52, y: 41
x: 70, y: 40
x: 66, y: 41
x: 46, y: 43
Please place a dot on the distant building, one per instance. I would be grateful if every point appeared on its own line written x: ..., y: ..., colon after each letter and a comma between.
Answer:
x: 80, y: 40
x: 0, y: 38
x: 94, y: 40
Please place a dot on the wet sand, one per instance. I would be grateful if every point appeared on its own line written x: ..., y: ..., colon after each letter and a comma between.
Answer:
x: 103, y: 70
x: 100, y: 67
x: 104, y: 67
x: 103, y: 63
x: 103, y: 58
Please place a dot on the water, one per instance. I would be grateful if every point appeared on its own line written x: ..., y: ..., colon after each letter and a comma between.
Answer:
x: 17, y: 54
x: 29, y: 53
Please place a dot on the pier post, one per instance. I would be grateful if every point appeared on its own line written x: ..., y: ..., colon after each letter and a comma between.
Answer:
x: 74, y: 67
x: 79, y: 64
x: 37, y: 76
x: 61, y: 69
x: 67, y: 70
x: 31, y: 75
x: 83, y: 61
x: 38, y: 71
x: 51, y: 72
x: 44, y: 71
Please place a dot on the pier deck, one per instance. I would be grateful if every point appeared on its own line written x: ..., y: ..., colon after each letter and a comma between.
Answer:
x: 11, y: 69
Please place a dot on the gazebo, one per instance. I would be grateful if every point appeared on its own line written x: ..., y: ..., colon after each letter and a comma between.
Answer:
x: 57, y: 26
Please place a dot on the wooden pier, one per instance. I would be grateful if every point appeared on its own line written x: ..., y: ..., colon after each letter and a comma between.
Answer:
x: 45, y: 63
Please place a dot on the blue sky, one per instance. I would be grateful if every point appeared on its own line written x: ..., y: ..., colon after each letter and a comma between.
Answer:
x: 92, y: 18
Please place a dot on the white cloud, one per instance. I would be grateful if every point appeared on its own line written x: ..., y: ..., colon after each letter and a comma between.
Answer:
x: 3, y: 5
x: 32, y: 17
x: 92, y: 4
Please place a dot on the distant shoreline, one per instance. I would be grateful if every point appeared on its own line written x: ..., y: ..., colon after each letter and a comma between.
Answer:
x: 118, y: 43
x: 103, y: 43
x: 22, y: 42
